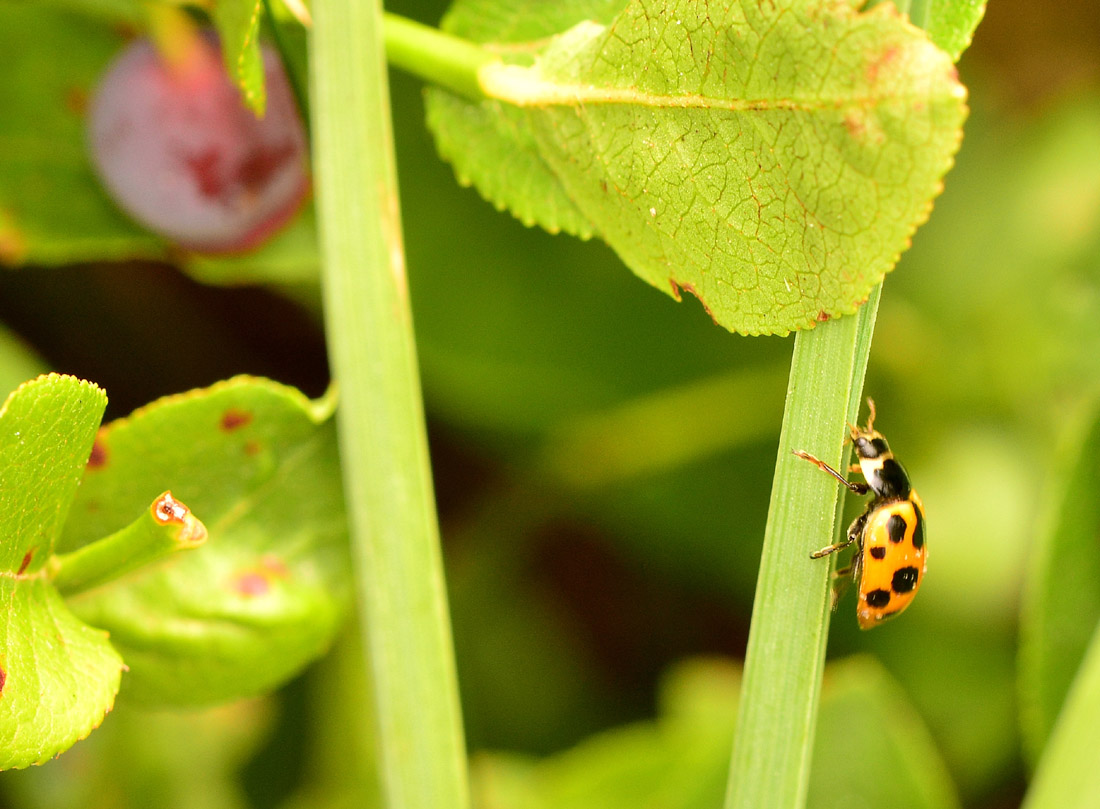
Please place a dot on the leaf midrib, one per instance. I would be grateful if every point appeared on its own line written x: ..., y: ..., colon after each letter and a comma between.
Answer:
x: 522, y: 87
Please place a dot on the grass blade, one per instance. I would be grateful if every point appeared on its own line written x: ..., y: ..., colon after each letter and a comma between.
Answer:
x: 387, y: 480
x: 790, y: 620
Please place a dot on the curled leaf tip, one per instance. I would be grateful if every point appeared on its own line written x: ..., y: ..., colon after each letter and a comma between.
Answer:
x: 167, y: 510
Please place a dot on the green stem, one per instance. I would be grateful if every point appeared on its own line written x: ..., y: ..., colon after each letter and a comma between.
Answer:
x: 790, y: 621
x: 383, y: 445
x: 166, y: 527
x: 435, y: 56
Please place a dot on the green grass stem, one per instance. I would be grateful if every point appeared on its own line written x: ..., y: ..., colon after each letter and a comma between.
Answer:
x: 383, y: 446
x: 770, y: 766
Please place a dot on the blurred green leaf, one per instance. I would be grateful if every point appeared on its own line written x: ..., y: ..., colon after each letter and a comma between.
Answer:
x: 126, y: 11
x: 1067, y: 776
x: 151, y: 758
x: 17, y: 362
x: 52, y: 208
x: 676, y: 763
x: 58, y: 676
x: 679, y: 761
x: 267, y: 592
x: 1061, y: 603
x: 238, y: 24
x: 896, y: 763
x: 734, y: 167
x: 289, y: 257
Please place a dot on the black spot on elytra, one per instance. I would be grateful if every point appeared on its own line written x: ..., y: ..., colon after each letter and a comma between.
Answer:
x: 878, y: 598
x: 879, y: 552
x: 895, y: 527
x: 905, y: 579
x: 918, y: 534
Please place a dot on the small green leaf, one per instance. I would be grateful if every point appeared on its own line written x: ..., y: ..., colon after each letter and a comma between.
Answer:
x: 238, y: 24
x: 58, y: 677
x: 268, y: 590
x: 775, y: 177
x: 165, y: 527
x: 1061, y: 604
x: 46, y: 431
x: 1067, y: 776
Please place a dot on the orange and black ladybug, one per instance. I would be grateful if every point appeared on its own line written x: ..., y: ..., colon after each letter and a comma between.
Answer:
x: 891, y: 558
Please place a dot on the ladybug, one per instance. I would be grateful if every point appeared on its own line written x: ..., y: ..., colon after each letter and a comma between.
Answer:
x: 891, y: 557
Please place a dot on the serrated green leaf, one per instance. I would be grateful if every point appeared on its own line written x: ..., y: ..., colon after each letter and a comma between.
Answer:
x: 58, y: 677
x: 268, y: 590
x: 1061, y: 604
x: 507, y: 168
x: 52, y: 207
x: 238, y: 24
x: 777, y: 177
x: 47, y: 427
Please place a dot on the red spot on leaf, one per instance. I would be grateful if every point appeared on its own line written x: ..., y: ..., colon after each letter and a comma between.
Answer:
x: 233, y: 419
x: 257, y: 581
x: 98, y: 458
x: 252, y: 448
x: 76, y: 101
x: 26, y: 561
x: 252, y: 584
x: 3, y: 679
x: 822, y: 316
x: 675, y: 288
x: 883, y: 62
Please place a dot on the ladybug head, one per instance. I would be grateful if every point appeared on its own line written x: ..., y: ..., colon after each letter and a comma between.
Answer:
x: 868, y: 441
x: 870, y: 444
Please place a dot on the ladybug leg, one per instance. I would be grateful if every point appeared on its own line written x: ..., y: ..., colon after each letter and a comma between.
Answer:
x: 836, y: 546
x: 855, y: 531
x: 841, y: 579
x: 858, y: 488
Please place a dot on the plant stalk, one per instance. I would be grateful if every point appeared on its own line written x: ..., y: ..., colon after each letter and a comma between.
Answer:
x: 770, y: 765
x: 435, y: 56
x: 166, y: 527
x: 383, y: 444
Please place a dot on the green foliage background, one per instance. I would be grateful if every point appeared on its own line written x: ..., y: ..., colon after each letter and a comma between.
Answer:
x: 603, y: 458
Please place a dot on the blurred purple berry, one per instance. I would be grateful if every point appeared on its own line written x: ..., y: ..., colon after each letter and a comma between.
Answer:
x: 179, y: 151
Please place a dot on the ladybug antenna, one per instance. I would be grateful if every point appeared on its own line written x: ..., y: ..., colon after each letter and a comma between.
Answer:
x: 871, y: 414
